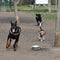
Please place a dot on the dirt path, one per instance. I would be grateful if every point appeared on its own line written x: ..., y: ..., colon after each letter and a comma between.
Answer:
x: 27, y: 39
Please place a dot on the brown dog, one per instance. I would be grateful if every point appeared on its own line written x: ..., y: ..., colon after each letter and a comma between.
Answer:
x: 41, y: 34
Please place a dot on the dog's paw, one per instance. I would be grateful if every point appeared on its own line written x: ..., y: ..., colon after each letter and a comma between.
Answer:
x: 14, y: 49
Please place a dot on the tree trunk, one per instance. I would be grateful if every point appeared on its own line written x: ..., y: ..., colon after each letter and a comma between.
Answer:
x: 16, y: 11
x: 57, y: 34
x: 49, y: 6
x: 56, y: 3
x: 21, y: 1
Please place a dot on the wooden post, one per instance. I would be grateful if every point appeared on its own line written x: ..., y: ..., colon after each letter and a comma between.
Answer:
x: 57, y: 33
x: 49, y: 6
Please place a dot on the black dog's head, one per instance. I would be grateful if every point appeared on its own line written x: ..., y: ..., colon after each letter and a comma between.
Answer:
x: 38, y: 15
x: 38, y: 19
x: 13, y: 24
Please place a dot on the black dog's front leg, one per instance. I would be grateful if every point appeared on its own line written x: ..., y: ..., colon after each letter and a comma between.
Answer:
x: 15, y: 44
x: 8, y: 42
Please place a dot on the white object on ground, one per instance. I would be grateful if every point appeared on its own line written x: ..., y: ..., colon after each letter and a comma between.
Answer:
x: 36, y: 47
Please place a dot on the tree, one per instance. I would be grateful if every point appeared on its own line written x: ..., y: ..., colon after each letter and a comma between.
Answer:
x: 16, y: 15
x: 49, y: 6
x: 53, y: 2
x: 57, y: 33
x: 56, y: 2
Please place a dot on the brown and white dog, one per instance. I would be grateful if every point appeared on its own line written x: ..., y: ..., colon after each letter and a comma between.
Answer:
x: 41, y: 34
x: 14, y: 34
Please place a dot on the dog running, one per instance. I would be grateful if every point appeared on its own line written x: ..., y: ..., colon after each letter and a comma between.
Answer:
x: 14, y: 34
x: 39, y: 19
x: 41, y: 34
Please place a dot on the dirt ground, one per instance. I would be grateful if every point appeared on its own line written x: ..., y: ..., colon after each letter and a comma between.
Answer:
x: 27, y: 39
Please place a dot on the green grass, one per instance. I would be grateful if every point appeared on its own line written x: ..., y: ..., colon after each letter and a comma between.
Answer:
x: 37, y: 9
x: 27, y: 8
x: 47, y: 16
x: 40, y: 9
x: 9, y: 9
x: 24, y: 8
x: 51, y: 16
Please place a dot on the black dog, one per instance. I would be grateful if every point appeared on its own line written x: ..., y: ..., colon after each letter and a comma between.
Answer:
x: 14, y: 33
x: 38, y: 19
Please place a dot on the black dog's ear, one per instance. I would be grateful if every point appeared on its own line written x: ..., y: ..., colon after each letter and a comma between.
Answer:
x: 38, y: 14
x: 13, y: 22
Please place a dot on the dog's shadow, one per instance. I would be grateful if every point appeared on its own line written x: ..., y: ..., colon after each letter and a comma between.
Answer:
x: 11, y: 48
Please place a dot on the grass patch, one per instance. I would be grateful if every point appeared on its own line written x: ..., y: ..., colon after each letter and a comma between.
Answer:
x: 39, y: 9
x: 30, y: 9
x: 51, y: 16
x: 42, y: 10
x: 24, y: 8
